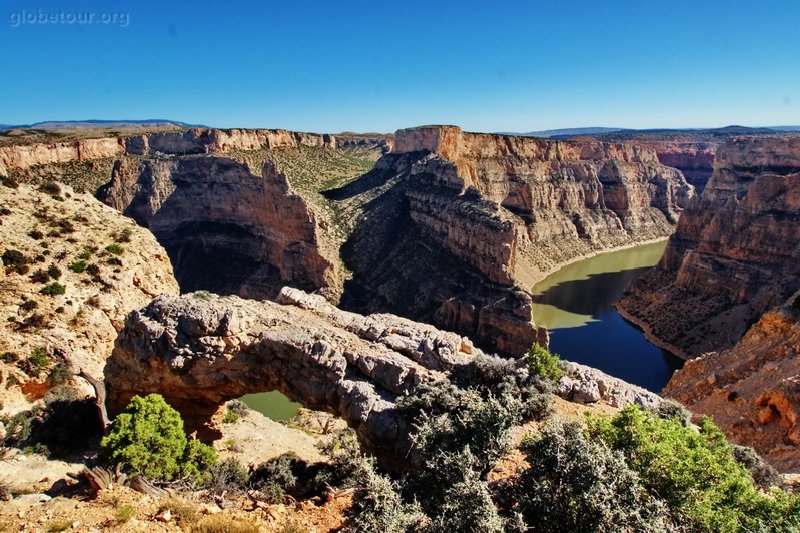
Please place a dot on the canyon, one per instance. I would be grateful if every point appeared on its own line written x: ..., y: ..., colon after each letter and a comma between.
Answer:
x: 403, y: 238
x: 724, y: 294
x: 448, y: 227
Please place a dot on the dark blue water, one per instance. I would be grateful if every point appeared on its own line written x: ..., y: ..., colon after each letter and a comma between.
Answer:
x: 576, y: 303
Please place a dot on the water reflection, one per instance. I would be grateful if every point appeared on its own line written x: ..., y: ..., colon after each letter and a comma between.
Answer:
x: 273, y: 405
x: 576, y: 304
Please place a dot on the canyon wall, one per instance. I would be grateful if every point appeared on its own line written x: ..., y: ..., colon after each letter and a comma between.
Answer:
x: 694, y: 159
x: 451, y: 228
x: 734, y: 254
x: 21, y: 157
x: 193, y: 141
x: 752, y: 390
x: 464, y: 224
x: 225, y: 228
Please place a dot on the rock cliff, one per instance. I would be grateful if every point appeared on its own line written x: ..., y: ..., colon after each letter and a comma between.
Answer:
x: 452, y: 228
x: 734, y: 255
x: 60, y: 238
x: 456, y: 227
x: 752, y: 390
x: 694, y: 159
x: 226, y: 229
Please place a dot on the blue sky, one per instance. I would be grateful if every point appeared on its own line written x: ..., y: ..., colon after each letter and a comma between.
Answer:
x: 378, y: 66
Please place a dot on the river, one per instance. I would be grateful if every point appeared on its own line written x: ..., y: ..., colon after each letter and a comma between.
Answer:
x: 576, y: 304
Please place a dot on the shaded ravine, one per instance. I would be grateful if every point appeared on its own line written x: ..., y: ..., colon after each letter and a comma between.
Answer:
x: 576, y: 303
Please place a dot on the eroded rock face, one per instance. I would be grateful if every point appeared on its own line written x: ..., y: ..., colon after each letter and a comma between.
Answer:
x: 226, y: 229
x: 752, y: 390
x: 80, y: 325
x: 458, y: 226
x: 734, y: 255
x: 199, y: 351
x: 29, y: 155
x: 694, y: 159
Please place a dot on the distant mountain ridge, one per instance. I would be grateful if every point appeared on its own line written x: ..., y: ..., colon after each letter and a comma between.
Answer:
x: 566, y: 133
x: 81, y: 124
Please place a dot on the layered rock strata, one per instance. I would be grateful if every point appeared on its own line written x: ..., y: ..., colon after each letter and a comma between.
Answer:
x: 456, y: 227
x: 734, y: 255
x: 752, y: 390
x: 226, y: 229
x: 192, y: 141
x: 694, y: 159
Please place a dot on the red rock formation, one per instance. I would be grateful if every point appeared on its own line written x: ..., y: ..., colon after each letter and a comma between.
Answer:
x: 25, y: 156
x: 734, y: 254
x: 492, y: 215
x: 694, y: 159
x: 752, y: 391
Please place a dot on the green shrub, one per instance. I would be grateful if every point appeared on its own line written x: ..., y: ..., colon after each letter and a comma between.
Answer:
x: 39, y: 358
x: 124, y: 513
x: 53, y: 289
x: 674, y: 410
x: 378, y: 507
x: 40, y: 276
x: 29, y: 305
x: 230, y: 417
x: 148, y: 439
x: 124, y: 235
x: 77, y: 266
x: 764, y: 475
x: 115, y: 248
x: 542, y: 363
x: 85, y: 254
x: 448, y: 419
x: 694, y: 471
x: 572, y: 484
x: 9, y: 357
x: 15, y: 261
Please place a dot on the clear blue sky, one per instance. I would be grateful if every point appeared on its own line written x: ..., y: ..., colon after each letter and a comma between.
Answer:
x: 378, y: 66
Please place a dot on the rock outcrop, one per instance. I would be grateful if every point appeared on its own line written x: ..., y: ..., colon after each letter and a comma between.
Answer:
x: 192, y: 141
x: 587, y: 385
x: 734, y: 255
x: 201, y: 350
x: 225, y: 228
x: 456, y: 227
x: 694, y: 159
x: 61, y: 237
x: 20, y: 157
x: 752, y: 390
